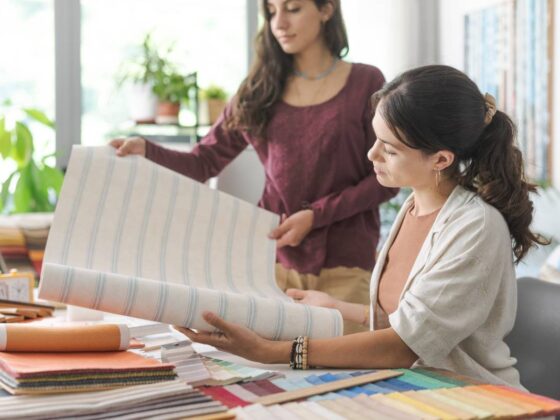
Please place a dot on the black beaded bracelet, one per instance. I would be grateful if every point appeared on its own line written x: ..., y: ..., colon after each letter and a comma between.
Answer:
x: 298, y: 355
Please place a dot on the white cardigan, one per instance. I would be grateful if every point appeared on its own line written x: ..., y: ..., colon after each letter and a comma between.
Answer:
x: 459, y: 301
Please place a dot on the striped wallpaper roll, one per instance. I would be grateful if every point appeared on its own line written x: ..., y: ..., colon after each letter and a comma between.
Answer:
x: 134, y: 238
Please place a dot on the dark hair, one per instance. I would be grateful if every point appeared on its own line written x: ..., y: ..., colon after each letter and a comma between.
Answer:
x: 263, y: 87
x: 437, y: 107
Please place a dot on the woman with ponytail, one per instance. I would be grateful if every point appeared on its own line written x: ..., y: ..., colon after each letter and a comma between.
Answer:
x: 307, y: 114
x: 443, y: 292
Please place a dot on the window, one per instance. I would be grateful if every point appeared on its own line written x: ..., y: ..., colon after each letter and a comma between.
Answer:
x: 210, y: 37
x: 27, y: 64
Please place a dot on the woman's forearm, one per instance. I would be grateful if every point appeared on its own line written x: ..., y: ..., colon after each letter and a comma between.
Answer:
x: 366, y: 350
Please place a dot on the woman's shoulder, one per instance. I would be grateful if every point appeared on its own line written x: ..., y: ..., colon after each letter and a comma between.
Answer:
x: 366, y: 73
x: 470, y: 212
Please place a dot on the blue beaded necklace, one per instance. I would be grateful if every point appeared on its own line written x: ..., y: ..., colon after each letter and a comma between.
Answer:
x: 320, y: 75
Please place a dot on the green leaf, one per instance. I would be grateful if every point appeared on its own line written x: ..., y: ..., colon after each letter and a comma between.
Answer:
x: 23, y: 149
x: 5, y: 194
x: 39, y: 188
x: 39, y: 116
x: 53, y: 178
x: 5, y: 139
x: 22, y: 194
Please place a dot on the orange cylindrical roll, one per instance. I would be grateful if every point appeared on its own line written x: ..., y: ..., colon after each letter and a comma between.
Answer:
x: 72, y: 338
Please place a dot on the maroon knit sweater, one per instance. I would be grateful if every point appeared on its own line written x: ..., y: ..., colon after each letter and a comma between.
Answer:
x: 314, y: 157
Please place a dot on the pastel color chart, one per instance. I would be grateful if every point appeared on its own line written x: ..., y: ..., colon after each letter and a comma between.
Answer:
x: 416, y: 393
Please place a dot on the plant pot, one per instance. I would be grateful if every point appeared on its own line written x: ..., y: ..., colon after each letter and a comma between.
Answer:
x: 167, y: 113
x: 215, y: 109
x: 141, y: 103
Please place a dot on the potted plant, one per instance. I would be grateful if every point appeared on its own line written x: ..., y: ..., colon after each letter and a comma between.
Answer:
x: 33, y: 186
x: 172, y: 89
x: 137, y: 75
x: 215, y: 98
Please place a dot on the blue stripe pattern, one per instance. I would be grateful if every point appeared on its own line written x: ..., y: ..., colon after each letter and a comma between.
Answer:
x: 131, y: 295
x: 99, y: 212
x: 222, y: 305
x: 250, y: 243
x: 67, y: 284
x: 336, y: 325
x: 280, y: 319
x: 251, y: 313
x: 191, y: 307
x: 272, y: 260
x: 77, y: 203
x: 308, y: 321
x: 162, y: 300
x: 99, y: 289
x: 188, y: 232
x: 144, y: 225
x: 210, y: 236
x: 124, y: 212
x: 166, y: 229
x: 229, y: 251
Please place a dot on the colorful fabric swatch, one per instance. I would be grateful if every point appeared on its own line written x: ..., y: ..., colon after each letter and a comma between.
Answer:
x: 197, y: 370
x: 416, y: 393
x: 38, y: 373
x: 468, y: 402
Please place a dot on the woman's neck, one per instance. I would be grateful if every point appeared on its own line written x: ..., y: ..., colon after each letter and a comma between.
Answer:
x: 429, y: 199
x: 314, y: 60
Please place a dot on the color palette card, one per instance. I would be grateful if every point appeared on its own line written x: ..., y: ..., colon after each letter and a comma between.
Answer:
x: 416, y: 394
x: 199, y: 370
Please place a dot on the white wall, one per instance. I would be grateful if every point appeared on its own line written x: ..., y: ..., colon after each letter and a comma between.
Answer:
x: 451, y: 50
x: 393, y: 35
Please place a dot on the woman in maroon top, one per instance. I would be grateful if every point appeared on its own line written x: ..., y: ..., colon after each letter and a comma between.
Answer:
x: 307, y: 114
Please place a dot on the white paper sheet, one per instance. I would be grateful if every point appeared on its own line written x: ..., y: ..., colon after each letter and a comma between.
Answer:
x: 134, y: 238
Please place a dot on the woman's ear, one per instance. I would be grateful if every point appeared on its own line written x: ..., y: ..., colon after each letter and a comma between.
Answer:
x: 443, y: 159
x: 327, y: 11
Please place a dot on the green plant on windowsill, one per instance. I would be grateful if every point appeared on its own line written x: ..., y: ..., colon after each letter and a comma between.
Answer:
x: 213, y: 92
x: 172, y: 86
x: 33, y: 186
x: 215, y: 98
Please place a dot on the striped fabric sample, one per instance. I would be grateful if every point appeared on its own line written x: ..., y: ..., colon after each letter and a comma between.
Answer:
x: 133, y: 238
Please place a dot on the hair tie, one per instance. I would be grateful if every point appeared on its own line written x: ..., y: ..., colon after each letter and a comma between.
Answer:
x: 490, y: 103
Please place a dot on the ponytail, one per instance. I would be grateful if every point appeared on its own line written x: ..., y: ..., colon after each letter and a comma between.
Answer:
x: 437, y: 107
x: 496, y: 173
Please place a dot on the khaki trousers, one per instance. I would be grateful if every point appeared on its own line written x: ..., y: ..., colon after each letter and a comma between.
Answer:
x: 346, y: 284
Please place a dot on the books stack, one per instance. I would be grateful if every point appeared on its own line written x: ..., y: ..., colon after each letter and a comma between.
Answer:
x: 45, y: 373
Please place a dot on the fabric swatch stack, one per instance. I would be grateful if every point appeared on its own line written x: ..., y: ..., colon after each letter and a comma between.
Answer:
x: 41, y: 360
x: 197, y: 370
x: 42, y: 373
x: 168, y: 400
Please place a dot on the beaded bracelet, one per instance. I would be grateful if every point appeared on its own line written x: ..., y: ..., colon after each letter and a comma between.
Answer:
x: 298, y: 355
